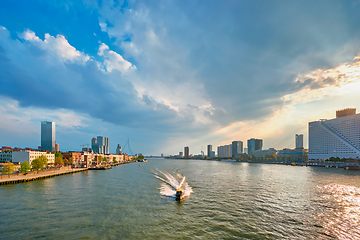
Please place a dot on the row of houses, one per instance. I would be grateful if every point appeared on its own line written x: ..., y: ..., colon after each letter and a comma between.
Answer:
x: 77, y: 158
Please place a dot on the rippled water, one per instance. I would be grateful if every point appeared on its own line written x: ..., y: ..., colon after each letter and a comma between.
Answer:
x: 230, y: 201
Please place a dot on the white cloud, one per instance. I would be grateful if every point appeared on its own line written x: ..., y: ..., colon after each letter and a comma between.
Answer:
x: 326, y: 82
x: 58, y: 45
x: 113, y: 60
x: 103, y: 26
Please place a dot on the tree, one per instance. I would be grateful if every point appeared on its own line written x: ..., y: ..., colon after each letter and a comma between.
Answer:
x: 8, y: 168
x: 25, y: 167
x: 57, y: 154
x: 141, y: 157
x: 114, y: 160
x: 37, y: 164
x: 66, y: 161
x: 71, y: 160
x: 44, y: 159
x: 59, y: 160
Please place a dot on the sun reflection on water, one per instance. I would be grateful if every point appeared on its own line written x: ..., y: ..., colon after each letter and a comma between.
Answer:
x: 341, y: 213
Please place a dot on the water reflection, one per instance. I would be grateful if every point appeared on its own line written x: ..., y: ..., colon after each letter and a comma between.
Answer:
x: 341, y: 213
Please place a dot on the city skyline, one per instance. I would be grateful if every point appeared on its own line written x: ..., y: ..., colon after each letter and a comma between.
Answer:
x: 167, y: 75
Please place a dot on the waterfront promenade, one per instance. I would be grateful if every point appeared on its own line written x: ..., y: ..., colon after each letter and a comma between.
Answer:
x: 45, y: 173
x: 30, y: 176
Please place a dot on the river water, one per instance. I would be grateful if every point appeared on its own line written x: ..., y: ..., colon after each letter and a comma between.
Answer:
x: 229, y: 201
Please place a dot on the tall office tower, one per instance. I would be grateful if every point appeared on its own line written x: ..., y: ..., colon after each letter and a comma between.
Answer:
x: 338, y: 137
x: 118, y: 149
x: 218, y: 151
x: 254, y: 144
x: 237, y: 147
x: 48, y: 136
x: 186, y: 152
x: 209, y: 150
x: 103, y: 143
x: 94, y: 145
x: 299, y: 141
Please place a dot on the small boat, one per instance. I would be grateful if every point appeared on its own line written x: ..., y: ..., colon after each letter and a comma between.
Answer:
x: 179, y: 194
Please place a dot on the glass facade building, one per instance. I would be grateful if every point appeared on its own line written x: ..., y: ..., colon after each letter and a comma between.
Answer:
x: 48, y: 136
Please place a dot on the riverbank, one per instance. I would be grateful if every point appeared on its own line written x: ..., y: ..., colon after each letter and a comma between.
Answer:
x: 46, y: 173
x: 31, y: 176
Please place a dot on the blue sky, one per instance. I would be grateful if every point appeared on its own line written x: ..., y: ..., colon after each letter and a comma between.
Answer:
x: 169, y: 74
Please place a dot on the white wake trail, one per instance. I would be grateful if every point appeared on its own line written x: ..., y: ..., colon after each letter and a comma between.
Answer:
x: 173, y: 182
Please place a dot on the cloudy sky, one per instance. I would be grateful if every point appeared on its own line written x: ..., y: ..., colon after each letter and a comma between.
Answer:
x: 169, y: 74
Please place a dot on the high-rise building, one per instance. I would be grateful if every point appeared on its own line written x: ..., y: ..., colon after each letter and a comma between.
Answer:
x: 48, y: 136
x: 253, y: 145
x: 209, y: 150
x: 186, y: 152
x: 237, y: 147
x: 338, y: 137
x: 299, y: 141
x: 94, y: 145
x: 100, y: 145
x: 118, y: 149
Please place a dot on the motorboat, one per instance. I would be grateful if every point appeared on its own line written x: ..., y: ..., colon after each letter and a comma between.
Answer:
x: 179, y: 194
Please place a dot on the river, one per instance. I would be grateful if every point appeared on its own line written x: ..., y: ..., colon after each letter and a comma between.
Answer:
x: 230, y: 200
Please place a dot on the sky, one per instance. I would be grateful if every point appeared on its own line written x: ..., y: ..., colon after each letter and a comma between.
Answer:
x: 170, y: 74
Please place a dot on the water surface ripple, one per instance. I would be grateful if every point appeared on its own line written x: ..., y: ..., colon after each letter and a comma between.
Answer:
x: 229, y: 201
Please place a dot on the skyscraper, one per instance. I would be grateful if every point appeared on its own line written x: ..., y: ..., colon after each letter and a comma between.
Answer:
x: 94, y: 145
x: 209, y: 150
x: 338, y: 137
x: 237, y: 147
x: 118, y: 149
x: 186, y: 152
x: 48, y: 136
x: 100, y: 145
x: 254, y: 144
x: 299, y: 141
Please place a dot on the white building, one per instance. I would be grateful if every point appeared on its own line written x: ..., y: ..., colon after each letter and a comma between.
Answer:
x: 22, y: 156
x: 339, y: 137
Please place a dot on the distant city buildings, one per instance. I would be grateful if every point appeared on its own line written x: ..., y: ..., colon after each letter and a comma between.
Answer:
x: 118, y: 149
x: 297, y: 154
x: 48, y: 136
x: 265, y: 154
x: 338, y: 137
x: 209, y: 150
x: 224, y: 151
x: 100, y: 145
x: 299, y: 141
x: 186, y: 152
x: 253, y: 145
x: 236, y: 148
x: 181, y: 154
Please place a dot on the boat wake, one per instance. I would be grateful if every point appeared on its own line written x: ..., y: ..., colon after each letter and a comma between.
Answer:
x: 171, y: 183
